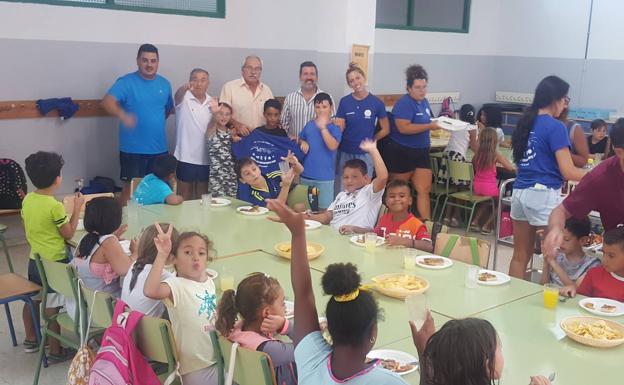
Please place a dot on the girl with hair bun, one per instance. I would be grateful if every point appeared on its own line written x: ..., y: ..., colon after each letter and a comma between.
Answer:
x: 351, y: 312
x: 406, y: 153
x: 357, y: 116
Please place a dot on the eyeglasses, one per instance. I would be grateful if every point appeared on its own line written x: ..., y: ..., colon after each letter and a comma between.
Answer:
x: 567, y: 99
x: 253, y: 69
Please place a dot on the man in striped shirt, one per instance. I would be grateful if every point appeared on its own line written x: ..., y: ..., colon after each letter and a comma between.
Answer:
x: 299, y: 105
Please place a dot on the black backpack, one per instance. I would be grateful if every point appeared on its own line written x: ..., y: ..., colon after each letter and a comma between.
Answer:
x: 13, y: 187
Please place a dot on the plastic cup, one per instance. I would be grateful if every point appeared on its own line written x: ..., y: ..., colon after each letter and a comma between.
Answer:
x: 409, y: 259
x: 370, y: 241
x: 206, y: 200
x: 551, y: 296
x: 284, y: 167
x: 471, y: 276
x: 416, y: 308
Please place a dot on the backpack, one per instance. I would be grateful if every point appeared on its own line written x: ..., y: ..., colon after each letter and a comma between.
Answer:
x: 447, y: 108
x: 80, y: 367
x: 12, y: 184
x: 118, y: 360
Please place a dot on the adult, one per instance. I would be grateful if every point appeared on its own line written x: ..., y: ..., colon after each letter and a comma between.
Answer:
x: 601, y: 190
x: 246, y: 96
x: 142, y: 101
x: 299, y: 105
x: 194, y: 108
x: 357, y: 117
x: 579, y: 148
x: 407, y: 151
x: 541, y: 150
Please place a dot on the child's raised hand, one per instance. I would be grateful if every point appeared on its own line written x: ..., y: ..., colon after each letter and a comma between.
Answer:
x: 287, y: 178
x: 421, y: 337
x: 322, y: 121
x: 214, y: 105
x: 294, y: 221
x: 291, y: 158
x: 78, y: 201
x: 368, y: 145
x: 163, y: 240
x: 272, y: 324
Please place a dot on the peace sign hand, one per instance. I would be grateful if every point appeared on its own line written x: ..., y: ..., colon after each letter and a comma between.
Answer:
x: 163, y: 241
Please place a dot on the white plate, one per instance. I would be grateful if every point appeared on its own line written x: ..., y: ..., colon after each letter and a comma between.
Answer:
x: 125, y: 245
x: 312, y: 225
x: 220, y: 202
x: 290, y: 309
x: 397, y: 355
x: 450, y: 124
x: 212, y: 273
x: 501, y: 278
x: 261, y: 210
x: 420, y: 261
x: 598, y: 302
x: 354, y: 240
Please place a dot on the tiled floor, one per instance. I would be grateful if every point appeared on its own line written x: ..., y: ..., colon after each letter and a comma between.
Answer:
x: 17, y: 367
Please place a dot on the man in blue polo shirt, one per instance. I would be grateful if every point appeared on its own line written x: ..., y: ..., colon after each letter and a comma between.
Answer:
x: 142, y: 101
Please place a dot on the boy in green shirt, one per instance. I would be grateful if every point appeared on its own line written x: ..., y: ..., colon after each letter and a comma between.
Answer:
x: 47, y: 226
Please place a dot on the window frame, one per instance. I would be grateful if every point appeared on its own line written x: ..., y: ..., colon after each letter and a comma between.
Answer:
x: 410, y: 27
x: 110, y: 4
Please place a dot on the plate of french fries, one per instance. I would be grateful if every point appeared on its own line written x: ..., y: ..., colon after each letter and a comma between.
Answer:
x: 400, y: 285
x: 593, y: 331
x: 314, y: 250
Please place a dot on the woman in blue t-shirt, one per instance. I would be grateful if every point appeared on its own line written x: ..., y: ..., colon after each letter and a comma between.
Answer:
x: 541, y: 150
x: 406, y: 152
x: 357, y: 116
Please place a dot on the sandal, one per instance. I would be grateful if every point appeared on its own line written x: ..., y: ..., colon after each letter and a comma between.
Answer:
x: 485, y: 231
x: 475, y: 228
x: 30, y: 346
x: 66, y: 354
x: 454, y: 223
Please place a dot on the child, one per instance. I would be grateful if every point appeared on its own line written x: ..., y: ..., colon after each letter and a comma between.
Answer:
x: 132, y: 289
x: 359, y: 204
x: 219, y: 137
x: 571, y: 264
x: 478, y: 361
x: 157, y: 187
x: 485, y: 183
x: 458, y: 144
x: 47, y: 227
x: 597, y: 141
x: 100, y: 259
x: 190, y: 300
x: 606, y: 281
x: 259, y: 299
x: 491, y: 116
x: 267, y: 144
x: 319, y: 141
x: 399, y: 226
x: 351, y: 313
x: 260, y: 187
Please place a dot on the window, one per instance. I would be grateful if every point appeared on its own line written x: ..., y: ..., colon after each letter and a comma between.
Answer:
x: 208, y: 8
x: 424, y: 15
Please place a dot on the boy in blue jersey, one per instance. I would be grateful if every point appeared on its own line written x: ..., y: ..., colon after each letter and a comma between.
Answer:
x: 157, y: 187
x: 272, y: 185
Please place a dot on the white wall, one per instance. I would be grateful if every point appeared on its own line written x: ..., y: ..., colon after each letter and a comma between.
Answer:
x: 607, y: 35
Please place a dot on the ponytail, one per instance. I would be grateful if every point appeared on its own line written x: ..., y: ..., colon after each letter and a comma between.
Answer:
x: 87, y: 243
x: 520, y: 136
x: 134, y: 273
x: 226, y: 313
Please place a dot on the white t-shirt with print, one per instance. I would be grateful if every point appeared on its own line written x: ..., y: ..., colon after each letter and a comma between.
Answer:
x: 192, y: 314
x: 359, y: 208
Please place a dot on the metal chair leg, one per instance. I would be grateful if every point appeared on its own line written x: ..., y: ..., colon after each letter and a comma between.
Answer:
x: 7, y: 309
x: 6, y: 252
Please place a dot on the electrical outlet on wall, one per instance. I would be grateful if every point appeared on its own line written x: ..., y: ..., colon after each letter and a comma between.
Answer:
x: 438, y: 97
x: 514, y: 97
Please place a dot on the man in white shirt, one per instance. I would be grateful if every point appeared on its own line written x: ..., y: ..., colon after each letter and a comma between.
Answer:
x: 194, y: 109
x: 359, y: 204
x: 299, y: 105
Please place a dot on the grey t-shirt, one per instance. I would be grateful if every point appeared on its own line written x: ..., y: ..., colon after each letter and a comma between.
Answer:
x: 573, y: 270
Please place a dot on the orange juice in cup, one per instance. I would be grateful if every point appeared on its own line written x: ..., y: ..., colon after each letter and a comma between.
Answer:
x: 551, y: 295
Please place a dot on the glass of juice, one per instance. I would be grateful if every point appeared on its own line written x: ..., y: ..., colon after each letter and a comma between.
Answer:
x: 370, y: 241
x: 409, y: 259
x: 416, y: 308
x: 551, y: 295
x: 206, y: 201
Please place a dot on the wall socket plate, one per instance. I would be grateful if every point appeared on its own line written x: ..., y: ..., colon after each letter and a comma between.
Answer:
x: 514, y: 97
x: 438, y: 97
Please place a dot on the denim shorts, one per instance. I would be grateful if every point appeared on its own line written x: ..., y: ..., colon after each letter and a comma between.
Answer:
x: 188, y: 172
x: 534, y: 205
x: 135, y: 165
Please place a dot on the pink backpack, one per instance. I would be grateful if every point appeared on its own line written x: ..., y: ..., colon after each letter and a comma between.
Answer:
x: 119, y: 361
